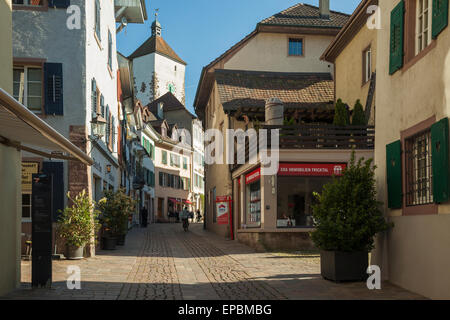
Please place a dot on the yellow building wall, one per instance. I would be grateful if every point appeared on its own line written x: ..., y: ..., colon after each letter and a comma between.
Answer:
x: 414, y: 254
x: 269, y: 52
x: 349, y: 68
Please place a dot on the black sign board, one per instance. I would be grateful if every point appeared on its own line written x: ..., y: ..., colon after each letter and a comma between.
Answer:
x: 41, y: 215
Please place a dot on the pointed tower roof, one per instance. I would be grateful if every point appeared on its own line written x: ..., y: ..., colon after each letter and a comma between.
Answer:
x: 156, y: 44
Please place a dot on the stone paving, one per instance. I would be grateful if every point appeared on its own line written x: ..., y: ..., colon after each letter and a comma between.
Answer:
x: 163, y: 262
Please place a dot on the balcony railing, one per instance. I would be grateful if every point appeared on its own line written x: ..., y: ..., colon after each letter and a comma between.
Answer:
x: 316, y: 136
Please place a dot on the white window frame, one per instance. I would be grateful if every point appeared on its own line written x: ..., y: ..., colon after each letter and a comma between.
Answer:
x: 23, y: 86
x: 28, y: 205
x: 367, y: 64
x: 424, y: 18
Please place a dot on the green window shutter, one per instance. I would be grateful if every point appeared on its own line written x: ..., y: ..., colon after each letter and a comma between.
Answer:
x: 396, y: 46
x: 394, y: 174
x: 164, y: 157
x: 440, y: 163
x: 440, y: 17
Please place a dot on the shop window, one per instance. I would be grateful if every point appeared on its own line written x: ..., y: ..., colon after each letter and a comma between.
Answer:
x: 253, y: 217
x: 26, y: 206
x: 419, y: 177
x: 28, y: 87
x: 295, y: 200
x: 30, y: 3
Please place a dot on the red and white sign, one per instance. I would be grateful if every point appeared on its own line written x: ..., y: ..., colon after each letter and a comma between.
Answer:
x: 223, y: 209
x: 311, y: 169
x: 253, y: 176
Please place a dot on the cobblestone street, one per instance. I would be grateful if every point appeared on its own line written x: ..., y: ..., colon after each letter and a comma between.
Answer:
x: 163, y: 262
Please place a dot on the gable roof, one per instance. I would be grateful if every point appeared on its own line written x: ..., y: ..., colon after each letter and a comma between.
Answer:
x: 305, y: 15
x: 300, y: 18
x: 170, y: 103
x: 357, y: 21
x: 156, y: 44
x: 250, y: 89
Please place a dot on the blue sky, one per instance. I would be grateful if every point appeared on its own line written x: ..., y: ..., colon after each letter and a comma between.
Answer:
x: 201, y: 30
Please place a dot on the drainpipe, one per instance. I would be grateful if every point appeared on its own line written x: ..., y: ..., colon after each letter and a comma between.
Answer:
x: 230, y: 166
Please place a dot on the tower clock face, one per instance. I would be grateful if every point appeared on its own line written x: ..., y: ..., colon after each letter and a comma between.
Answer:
x: 171, y: 87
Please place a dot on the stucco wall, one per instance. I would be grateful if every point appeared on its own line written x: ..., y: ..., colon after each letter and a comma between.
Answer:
x: 10, y: 215
x: 414, y: 254
x: 6, y: 76
x: 349, y: 68
x: 165, y: 73
x: 269, y: 52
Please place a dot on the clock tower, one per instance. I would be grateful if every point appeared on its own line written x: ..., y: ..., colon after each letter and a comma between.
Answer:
x: 157, y: 69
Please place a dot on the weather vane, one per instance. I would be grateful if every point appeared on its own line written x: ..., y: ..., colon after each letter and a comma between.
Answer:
x: 156, y: 13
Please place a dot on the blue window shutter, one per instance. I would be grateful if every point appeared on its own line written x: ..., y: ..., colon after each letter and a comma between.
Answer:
x: 57, y: 170
x: 94, y: 98
x: 53, y: 78
x: 102, y: 106
x: 59, y: 3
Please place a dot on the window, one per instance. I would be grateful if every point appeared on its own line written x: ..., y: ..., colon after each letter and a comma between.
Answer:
x: 164, y: 156
x: 296, y: 47
x: 94, y: 98
x: 26, y: 206
x: 423, y: 24
x: 97, y: 19
x: 367, y: 65
x: 31, y: 3
x: 28, y: 87
x: 109, y: 50
x: 419, y: 177
x: 174, y: 160
x: 185, y: 166
x: 108, y: 126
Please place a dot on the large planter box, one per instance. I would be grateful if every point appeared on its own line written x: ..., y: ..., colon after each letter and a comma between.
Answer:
x: 344, y: 266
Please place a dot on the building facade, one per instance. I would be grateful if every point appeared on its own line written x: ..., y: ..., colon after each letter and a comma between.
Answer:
x: 67, y: 75
x: 279, y: 59
x: 411, y: 152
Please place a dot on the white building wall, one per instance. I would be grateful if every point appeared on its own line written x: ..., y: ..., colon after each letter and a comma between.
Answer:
x: 167, y: 71
x: 143, y: 68
x: 97, y: 67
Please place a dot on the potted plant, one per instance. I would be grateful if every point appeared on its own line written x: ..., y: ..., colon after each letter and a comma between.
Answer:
x: 347, y: 217
x: 116, y: 208
x: 78, y: 225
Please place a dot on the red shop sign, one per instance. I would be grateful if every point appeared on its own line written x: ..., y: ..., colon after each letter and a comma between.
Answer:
x: 253, y: 176
x: 311, y: 169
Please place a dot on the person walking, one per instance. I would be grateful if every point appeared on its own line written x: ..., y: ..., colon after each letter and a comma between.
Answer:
x: 199, y: 215
x: 144, y: 216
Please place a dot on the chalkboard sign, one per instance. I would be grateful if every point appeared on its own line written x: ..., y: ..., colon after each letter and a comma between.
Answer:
x: 41, y: 214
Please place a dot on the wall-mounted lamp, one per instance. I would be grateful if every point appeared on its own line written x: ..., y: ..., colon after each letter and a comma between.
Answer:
x: 98, y: 126
x: 108, y: 168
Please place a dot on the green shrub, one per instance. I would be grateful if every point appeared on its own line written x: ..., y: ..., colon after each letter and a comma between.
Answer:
x: 341, y: 116
x: 347, y: 216
x: 78, y: 224
x: 359, y: 117
x: 115, y: 209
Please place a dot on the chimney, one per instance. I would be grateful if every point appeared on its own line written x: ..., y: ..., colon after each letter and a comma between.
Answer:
x: 324, y: 9
x: 274, y: 112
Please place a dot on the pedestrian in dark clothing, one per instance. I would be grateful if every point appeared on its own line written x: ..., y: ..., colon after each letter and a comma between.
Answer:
x: 144, y: 215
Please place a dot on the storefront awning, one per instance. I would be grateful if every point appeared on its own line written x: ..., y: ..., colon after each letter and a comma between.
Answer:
x: 22, y: 129
x: 187, y: 201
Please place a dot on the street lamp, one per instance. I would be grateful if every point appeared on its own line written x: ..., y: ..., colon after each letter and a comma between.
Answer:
x: 98, y: 126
